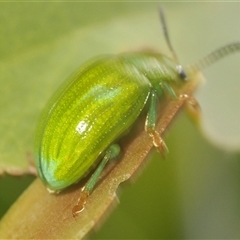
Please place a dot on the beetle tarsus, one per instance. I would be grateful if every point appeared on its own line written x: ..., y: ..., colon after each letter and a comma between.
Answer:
x: 158, y: 141
x: 81, y: 203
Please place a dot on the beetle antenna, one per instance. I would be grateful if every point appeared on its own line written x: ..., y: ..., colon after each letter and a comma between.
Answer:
x: 166, y: 35
x: 217, y: 55
x: 167, y: 38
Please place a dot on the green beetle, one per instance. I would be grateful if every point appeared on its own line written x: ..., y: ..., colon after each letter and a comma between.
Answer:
x: 84, y: 120
x: 101, y: 102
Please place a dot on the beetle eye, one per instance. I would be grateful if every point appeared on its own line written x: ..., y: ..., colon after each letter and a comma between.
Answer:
x: 181, y: 72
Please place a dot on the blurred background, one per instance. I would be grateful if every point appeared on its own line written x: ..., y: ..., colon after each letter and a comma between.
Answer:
x: 195, y: 192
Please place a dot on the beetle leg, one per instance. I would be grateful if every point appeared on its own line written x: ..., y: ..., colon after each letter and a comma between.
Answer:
x: 111, y: 153
x: 192, y: 107
x: 169, y: 90
x: 151, y: 122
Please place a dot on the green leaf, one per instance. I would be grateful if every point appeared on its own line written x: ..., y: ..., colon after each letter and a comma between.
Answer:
x: 195, y: 193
